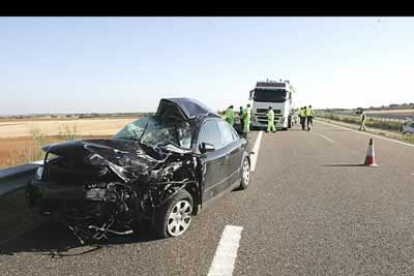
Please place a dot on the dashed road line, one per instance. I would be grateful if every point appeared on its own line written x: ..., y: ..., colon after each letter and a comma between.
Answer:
x: 323, y: 136
x: 256, y: 149
x: 226, y: 253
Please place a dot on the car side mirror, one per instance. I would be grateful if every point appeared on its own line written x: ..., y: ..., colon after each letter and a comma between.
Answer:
x: 206, y: 147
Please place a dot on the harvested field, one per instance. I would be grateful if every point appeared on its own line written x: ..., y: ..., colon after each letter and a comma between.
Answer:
x: 10, y: 146
x: 18, y: 146
x: 392, y: 114
x: 400, y: 112
x: 84, y: 127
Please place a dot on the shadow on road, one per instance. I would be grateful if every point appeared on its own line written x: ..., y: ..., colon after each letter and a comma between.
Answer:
x: 55, y: 240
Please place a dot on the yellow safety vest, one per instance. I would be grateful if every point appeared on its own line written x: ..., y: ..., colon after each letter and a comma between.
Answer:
x: 311, y: 112
x: 363, y: 118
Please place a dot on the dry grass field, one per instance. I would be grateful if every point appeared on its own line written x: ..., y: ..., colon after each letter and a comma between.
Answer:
x: 396, y: 112
x: 84, y: 127
x: 21, y: 140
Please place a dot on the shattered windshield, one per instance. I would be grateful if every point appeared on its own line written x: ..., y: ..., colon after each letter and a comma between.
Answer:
x: 156, y: 132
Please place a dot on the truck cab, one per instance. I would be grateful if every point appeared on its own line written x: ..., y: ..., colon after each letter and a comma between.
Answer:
x: 279, y: 95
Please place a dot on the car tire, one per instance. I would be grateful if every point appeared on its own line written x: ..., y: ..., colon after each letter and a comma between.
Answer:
x: 173, y: 218
x: 245, y: 174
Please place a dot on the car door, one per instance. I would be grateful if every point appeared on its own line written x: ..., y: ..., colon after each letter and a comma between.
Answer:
x: 213, y: 162
x: 234, y: 152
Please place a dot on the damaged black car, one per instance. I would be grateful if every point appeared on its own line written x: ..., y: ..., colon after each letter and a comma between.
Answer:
x: 161, y: 169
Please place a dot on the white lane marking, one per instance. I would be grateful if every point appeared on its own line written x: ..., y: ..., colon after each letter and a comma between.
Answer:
x: 368, y: 134
x: 226, y: 253
x: 323, y: 136
x: 256, y: 149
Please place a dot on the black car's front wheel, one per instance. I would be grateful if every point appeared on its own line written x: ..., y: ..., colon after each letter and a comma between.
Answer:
x: 245, y: 174
x: 173, y: 218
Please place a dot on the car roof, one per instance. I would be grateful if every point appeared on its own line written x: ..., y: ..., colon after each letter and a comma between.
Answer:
x: 188, y: 108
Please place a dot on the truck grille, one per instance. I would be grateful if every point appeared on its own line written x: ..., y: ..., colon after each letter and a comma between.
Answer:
x: 263, y: 110
x: 264, y: 119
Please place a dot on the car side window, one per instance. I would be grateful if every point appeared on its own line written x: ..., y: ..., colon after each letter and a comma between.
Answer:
x: 210, y: 134
x: 227, y: 134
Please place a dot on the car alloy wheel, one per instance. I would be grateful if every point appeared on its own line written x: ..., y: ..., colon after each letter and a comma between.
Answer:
x: 180, y: 218
x: 246, y: 172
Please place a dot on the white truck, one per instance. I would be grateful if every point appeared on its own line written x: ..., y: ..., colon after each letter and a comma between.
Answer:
x: 280, y: 96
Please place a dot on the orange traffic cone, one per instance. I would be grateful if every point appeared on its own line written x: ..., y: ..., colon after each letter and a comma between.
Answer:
x: 370, y: 158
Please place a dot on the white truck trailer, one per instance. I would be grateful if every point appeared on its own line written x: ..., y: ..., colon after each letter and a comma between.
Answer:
x: 280, y: 96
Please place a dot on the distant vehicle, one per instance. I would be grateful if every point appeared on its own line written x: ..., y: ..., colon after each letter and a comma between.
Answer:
x: 280, y: 96
x: 408, y: 127
x: 358, y: 111
x: 162, y: 169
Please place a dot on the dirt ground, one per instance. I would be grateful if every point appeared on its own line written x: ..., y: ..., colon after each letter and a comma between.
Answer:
x: 10, y: 145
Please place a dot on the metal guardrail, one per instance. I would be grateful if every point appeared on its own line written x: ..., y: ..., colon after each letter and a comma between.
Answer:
x: 12, y: 179
x: 16, y: 218
x: 374, y: 117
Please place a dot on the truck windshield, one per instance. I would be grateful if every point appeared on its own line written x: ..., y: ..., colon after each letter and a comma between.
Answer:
x: 277, y: 96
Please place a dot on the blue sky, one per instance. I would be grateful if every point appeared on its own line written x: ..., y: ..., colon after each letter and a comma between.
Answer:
x: 126, y: 64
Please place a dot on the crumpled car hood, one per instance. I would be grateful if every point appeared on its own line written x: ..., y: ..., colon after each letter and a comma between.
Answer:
x: 129, y: 160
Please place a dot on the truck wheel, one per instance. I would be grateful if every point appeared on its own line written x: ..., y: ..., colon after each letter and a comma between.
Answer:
x: 245, y: 174
x: 173, y: 218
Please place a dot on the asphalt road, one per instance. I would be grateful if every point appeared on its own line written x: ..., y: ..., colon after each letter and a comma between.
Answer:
x: 311, y: 209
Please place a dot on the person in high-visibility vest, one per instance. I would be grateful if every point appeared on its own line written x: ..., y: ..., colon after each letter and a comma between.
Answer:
x: 362, y: 121
x: 229, y: 115
x: 246, y: 119
x: 241, y: 116
x: 271, y: 120
x: 309, y: 112
x: 302, y: 117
